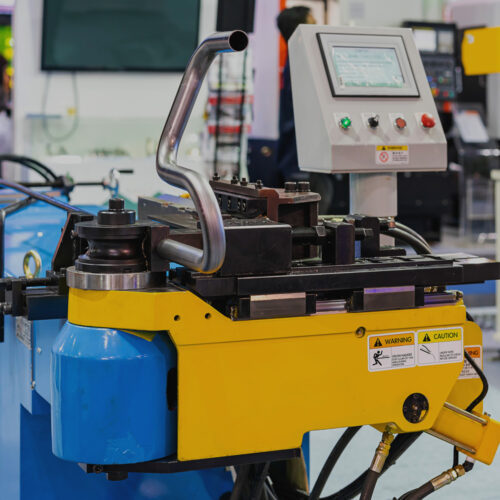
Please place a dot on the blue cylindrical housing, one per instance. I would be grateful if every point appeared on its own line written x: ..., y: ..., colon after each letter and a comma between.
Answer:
x: 109, y: 396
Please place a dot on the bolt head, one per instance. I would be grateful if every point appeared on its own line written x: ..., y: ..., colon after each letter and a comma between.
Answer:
x: 360, y: 332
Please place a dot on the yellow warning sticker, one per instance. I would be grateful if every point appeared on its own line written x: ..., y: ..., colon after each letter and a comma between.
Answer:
x: 392, y: 340
x: 392, y: 155
x: 440, y: 346
x: 446, y: 335
x: 391, y: 351
x: 392, y: 148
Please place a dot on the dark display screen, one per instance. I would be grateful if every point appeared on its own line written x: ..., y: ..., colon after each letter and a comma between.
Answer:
x: 119, y: 35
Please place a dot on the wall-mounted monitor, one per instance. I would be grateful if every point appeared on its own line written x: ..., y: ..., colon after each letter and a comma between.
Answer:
x: 119, y: 35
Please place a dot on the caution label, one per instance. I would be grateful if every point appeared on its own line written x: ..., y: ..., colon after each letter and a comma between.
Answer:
x: 476, y: 353
x: 391, y: 351
x: 392, y: 155
x: 440, y: 346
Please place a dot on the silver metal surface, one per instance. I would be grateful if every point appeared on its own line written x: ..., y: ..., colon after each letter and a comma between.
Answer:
x: 101, y: 281
x: 466, y: 414
x: 383, y: 299
x: 331, y: 306
x: 458, y: 444
x: 209, y: 259
x: 277, y: 305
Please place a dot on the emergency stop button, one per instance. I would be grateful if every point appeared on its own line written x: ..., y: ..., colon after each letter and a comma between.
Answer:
x: 428, y: 121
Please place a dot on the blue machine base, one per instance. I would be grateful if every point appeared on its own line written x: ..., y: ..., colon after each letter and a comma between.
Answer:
x: 28, y: 468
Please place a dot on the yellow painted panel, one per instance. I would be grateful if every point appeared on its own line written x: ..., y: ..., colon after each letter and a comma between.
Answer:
x: 484, y: 439
x: 481, y: 51
x: 256, y: 386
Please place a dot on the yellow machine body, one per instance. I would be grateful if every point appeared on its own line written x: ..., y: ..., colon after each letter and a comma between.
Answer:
x: 259, y: 385
x: 481, y: 51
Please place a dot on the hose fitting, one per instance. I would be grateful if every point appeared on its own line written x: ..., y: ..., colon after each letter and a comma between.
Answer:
x: 448, y: 477
x: 382, y: 451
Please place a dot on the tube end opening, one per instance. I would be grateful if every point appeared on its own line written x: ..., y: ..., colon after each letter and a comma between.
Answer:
x: 238, y: 40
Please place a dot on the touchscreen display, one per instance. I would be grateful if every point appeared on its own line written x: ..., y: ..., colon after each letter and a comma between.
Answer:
x: 367, y: 67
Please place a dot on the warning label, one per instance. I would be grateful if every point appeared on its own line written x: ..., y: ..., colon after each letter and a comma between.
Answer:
x: 392, y: 155
x: 476, y: 353
x: 440, y: 346
x: 391, y: 351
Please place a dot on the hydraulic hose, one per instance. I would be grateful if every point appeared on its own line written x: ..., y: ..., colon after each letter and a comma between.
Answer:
x: 415, y: 243
x: 422, y: 492
x: 404, y: 227
x: 375, y: 470
x: 332, y: 460
x: 438, y: 482
x: 369, y: 485
x: 398, y: 448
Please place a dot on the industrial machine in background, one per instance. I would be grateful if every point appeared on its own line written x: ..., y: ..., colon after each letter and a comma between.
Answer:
x: 143, y: 368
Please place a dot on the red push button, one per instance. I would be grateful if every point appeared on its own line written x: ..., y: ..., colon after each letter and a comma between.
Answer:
x: 428, y: 121
x: 400, y: 122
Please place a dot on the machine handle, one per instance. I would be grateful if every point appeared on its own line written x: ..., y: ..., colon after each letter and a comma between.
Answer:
x: 209, y: 259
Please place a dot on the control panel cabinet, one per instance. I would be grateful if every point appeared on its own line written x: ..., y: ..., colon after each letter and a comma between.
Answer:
x: 362, y: 102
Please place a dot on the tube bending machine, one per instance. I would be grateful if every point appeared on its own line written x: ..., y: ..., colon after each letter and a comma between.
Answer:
x: 276, y: 321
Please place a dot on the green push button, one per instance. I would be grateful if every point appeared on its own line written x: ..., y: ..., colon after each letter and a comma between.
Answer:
x: 345, y: 122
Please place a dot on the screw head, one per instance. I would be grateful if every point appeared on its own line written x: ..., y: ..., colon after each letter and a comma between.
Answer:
x: 360, y: 332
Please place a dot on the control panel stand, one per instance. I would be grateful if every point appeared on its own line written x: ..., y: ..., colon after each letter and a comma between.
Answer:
x: 374, y: 194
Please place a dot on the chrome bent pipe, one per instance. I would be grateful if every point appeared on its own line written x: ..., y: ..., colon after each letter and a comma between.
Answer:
x: 211, y: 257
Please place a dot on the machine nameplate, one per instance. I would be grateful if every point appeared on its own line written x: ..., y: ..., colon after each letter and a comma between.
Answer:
x: 392, y: 155
x: 476, y: 353
x: 440, y: 346
x: 24, y: 329
x: 391, y: 351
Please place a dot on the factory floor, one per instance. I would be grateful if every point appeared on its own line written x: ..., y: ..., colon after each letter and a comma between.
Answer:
x: 427, y: 458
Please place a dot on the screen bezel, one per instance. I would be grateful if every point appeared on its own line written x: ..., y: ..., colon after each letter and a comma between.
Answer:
x: 106, y: 69
x: 327, y: 40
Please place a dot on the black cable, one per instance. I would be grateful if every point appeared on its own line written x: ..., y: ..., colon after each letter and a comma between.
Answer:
x: 484, y: 380
x: 31, y: 164
x: 404, y: 227
x: 408, y: 238
x: 482, y: 394
x: 27, y: 159
x: 369, y: 485
x: 331, y: 461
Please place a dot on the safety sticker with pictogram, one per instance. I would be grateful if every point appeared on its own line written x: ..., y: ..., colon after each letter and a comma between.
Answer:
x: 392, y: 155
x: 476, y: 353
x: 391, y: 351
x: 440, y: 346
